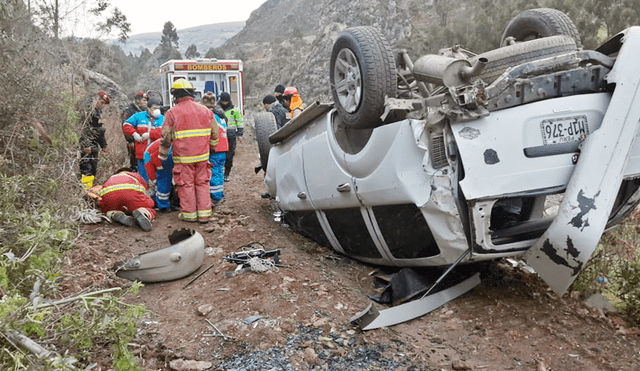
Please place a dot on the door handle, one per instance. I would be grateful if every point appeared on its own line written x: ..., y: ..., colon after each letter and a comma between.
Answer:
x: 344, y: 187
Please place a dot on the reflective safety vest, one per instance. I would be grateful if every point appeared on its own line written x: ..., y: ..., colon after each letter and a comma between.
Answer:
x: 125, y: 180
x: 296, y: 103
x: 188, y: 126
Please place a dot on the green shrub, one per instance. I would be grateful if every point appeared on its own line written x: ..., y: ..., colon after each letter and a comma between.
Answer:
x: 614, y: 269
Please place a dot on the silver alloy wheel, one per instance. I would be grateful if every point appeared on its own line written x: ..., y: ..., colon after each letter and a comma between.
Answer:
x: 348, y: 80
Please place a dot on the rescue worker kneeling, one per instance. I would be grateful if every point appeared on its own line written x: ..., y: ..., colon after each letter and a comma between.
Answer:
x: 123, y: 192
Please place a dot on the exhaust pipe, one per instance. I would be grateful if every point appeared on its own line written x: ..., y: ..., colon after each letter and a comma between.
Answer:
x: 450, y: 72
x: 469, y: 72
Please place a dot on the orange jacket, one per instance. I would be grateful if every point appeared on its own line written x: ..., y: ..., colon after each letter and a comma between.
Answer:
x: 296, y: 102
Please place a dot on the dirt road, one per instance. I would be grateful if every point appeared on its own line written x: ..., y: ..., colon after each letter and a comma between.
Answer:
x: 511, y: 321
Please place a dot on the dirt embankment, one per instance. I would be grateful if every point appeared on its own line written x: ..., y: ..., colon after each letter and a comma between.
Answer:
x: 511, y: 321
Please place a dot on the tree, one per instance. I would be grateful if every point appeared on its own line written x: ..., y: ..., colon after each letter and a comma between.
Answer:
x: 214, y: 53
x: 59, y: 16
x: 192, y: 52
x: 116, y: 21
x: 600, y: 20
x: 169, y: 36
x: 168, y: 42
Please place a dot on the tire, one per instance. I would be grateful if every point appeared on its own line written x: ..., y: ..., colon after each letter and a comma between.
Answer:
x: 509, y: 56
x: 362, y: 73
x: 265, y: 123
x: 538, y: 23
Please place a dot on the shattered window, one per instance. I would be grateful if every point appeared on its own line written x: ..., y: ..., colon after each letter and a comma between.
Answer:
x: 405, y: 231
x: 352, y: 233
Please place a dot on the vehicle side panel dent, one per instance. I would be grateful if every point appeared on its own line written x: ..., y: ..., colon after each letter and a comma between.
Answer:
x: 402, y: 176
x: 443, y: 218
x: 563, y: 250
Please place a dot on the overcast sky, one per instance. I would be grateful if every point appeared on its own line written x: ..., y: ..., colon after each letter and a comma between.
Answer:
x: 150, y: 16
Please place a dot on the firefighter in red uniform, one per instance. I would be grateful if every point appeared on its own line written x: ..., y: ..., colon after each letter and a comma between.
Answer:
x: 123, y: 192
x: 187, y: 130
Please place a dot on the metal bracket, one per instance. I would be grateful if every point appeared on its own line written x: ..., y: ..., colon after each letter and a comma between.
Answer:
x: 371, y: 318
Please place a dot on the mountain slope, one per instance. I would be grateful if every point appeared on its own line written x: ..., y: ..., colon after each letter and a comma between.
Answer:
x: 204, y: 38
x: 290, y: 41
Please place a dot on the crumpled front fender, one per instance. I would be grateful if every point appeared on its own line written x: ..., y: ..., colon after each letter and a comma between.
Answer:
x: 183, y: 257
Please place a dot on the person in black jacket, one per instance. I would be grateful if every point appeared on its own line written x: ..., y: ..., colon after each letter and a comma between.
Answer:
x: 272, y: 105
x: 278, y: 91
x: 139, y: 104
x: 92, y: 138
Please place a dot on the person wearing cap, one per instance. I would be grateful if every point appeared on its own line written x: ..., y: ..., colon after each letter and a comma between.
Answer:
x: 92, y: 138
x: 279, y: 90
x: 217, y: 152
x: 235, y: 129
x: 139, y: 104
x: 292, y: 102
x: 144, y: 127
x: 188, y: 130
x: 272, y: 105
x: 123, y: 198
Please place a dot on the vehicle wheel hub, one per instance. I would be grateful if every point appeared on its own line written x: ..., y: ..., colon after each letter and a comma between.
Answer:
x: 348, y: 80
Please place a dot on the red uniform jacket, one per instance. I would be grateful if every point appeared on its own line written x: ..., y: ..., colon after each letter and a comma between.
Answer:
x: 189, y: 125
x: 152, y: 165
x: 125, y: 191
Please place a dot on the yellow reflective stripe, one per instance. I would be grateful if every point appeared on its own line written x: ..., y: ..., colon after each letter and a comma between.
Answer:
x: 191, y: 159
x: 120, y: 187
x: 189, y: 216
x: 214, y: 142
x: 204, y: 213
x: 193, y: 133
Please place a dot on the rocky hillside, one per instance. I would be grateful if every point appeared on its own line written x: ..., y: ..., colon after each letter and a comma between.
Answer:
x: 290, y: 41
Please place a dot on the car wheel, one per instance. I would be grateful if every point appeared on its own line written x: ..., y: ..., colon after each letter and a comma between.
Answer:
x: 265, y: 123
x: 538, y: 23
x: 362, y: 73
x: 499, y: 60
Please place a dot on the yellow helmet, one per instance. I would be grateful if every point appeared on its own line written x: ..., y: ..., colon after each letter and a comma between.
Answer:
x: 182, y: 84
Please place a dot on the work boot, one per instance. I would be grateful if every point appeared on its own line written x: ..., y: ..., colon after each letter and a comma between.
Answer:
x: 122, y: 218
x: 143, y: 218
x: 226, y: 178
x: 184, y: 219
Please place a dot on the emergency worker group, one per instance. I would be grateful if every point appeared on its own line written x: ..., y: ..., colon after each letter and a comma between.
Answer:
x: 185, y: 155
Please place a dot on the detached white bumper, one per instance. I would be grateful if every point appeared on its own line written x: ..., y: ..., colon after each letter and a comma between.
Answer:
x: 562, y: 251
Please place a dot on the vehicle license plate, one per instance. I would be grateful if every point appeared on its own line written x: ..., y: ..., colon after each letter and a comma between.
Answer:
x: 564, y: 130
